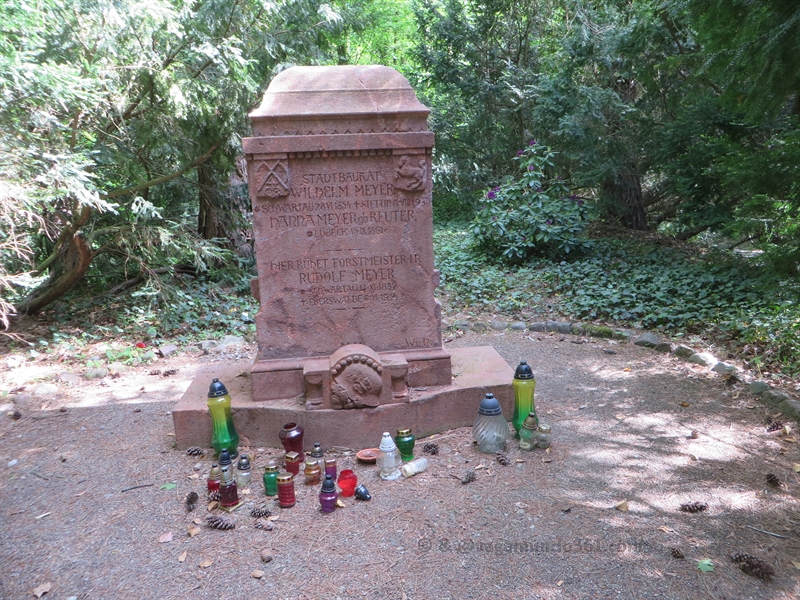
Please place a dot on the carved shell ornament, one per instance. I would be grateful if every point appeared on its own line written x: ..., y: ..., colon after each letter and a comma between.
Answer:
x: 356, y: 382
x: 272, y: 179
x: 411, y: 175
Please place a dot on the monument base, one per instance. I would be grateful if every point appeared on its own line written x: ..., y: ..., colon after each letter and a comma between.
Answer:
x: 476, y: 372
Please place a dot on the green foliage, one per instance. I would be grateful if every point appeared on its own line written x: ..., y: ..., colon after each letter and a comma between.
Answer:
x: 477, y: 57
x: 108, y: 109
x: 472, y: 282
x: 635, y: 283
x: 655, y: 287
x: 532, y: 214
x: 756, y: 59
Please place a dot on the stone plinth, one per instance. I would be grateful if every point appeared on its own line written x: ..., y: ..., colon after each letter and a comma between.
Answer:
x: 349, y: 331
x: 340, y: 182
x: 476, y: 371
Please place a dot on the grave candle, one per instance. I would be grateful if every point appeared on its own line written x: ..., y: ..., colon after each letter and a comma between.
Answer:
x: 286, y: 497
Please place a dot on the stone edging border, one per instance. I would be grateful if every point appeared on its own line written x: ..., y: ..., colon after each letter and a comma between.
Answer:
x: 789, y: 406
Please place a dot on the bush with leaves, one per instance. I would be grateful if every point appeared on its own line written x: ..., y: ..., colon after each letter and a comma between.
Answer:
x: 532, y: 214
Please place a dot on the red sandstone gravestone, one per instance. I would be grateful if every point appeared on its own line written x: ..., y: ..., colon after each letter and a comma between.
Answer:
x: 340, y: 183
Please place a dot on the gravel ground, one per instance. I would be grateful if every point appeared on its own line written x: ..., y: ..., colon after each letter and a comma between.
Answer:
x: 545, y: 526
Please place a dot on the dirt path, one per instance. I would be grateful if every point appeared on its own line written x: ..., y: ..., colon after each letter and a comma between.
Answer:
x: 545, y: 527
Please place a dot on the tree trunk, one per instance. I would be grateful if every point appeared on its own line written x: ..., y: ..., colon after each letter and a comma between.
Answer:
x: 208, y: 225
x: 66, y: 270
x: 625, y: 190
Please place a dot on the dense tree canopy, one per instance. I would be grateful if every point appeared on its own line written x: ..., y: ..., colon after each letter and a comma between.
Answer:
x: 121, y: 121
x: 117, y: 116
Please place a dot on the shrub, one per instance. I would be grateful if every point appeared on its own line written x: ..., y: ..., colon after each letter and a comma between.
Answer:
x: 532, y: 214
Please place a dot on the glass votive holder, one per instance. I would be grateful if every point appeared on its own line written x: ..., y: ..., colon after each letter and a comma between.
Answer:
x: 292, y: 462
x: 347, y: 482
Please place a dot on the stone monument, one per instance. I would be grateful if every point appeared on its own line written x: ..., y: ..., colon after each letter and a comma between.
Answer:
x: 349, y: 331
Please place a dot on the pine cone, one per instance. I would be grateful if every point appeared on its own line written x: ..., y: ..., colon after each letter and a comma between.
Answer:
x: 468, y: 476
x: 753, y: 566
x: 195, y: 451
x: 191, y: 501
x: 155, y: 372
x: 265, y: 525
x: 677, y: 553
x: 260, y: 512
x: 219, y: 523
x: 694, y: 507
x: 169, y: 372
x: 213, y: 496
x: 775, y: 426
x: 431, y: 448
x: 503, y: 459
x: 774, y: 480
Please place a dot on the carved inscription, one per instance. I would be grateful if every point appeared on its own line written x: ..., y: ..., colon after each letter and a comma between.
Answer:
x: 343, y: 204
x: 347, y: 281
x: 361, y: 206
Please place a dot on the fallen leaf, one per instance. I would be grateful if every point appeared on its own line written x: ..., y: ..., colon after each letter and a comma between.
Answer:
x: 684, y: 403
x: 198, y: 521
x: 546, y: 459
x: 168, y: 486
x: 194, y: 476
x: 41, y: 516
x: 520, y: 460
x: 213, y: 504
x: 167, y: 537
x: 693, y: 457
x: 796, y: 564
x: 182, y: 556
x: 790, y: 439
x: 627, y: 369
x: 560, y: 582
x: 776, y: 415
x: 705, y: 565
x: 619, y: 416
x: 340, y: 503
x: 751, y: 406
x: 666, y: 529
x: 622, y: 506
x: 257, y: 574
x: 273, y: 518
x: 193, y: 530
x: 787, y: 429
x: 520, y: 505
x: 206, y: 563
x: 567, y: 508
x: 796, y: 467
x: 41, y: 590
